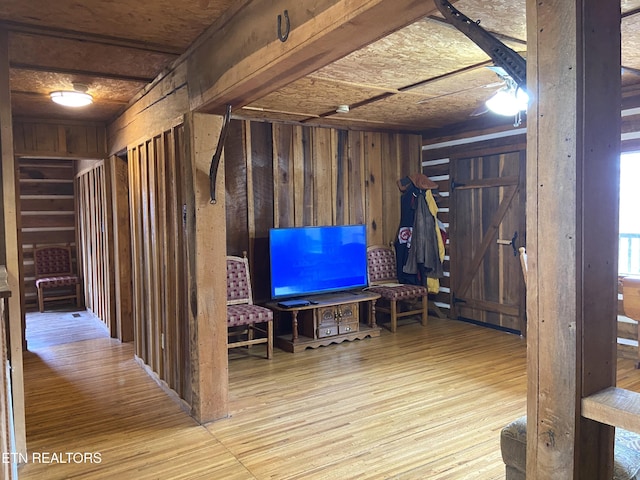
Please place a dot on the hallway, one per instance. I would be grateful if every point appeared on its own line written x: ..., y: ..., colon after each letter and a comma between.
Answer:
x: 91, y: 397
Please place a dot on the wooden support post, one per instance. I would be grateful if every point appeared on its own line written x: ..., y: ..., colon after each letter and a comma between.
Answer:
x: 116, y: 171
x: 12, y: 252
x: 573, y: 145
x: 206, y: 227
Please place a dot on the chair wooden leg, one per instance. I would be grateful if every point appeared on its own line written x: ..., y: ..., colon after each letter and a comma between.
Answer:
x: 425, y: 311
x: 40, y: 300
x: 78, y: 296
x: 270, y: 339
x: 394, y: 315
x: 250, y: 334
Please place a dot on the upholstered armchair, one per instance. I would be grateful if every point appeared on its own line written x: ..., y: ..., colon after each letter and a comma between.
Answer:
x: 54, y: 272
x: 381, y: 262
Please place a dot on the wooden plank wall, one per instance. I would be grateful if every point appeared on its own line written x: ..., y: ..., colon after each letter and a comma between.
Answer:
x: 436, y: 164
x: 158, y: 255
x: 52, y: 139
x: 94, y: 233
x: 280, y: 175
x: 47, y: 213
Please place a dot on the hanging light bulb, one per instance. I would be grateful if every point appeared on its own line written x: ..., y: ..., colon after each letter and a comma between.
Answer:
x: 508, y: 101
x: 78, y: 97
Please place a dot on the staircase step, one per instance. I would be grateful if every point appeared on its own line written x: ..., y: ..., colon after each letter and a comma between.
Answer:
x: 627, y: 327
x: 628, y: 348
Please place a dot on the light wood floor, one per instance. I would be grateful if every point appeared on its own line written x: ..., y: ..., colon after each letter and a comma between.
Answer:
x: 425, y: 403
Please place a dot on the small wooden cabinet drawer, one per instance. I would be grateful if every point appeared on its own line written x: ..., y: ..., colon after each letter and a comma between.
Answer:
x: 326, y: 315
x: 348, y: 327
x: 327, y: 330
x: 347, y: 312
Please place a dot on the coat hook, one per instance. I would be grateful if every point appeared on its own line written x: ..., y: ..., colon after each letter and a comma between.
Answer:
x: 281, y: 36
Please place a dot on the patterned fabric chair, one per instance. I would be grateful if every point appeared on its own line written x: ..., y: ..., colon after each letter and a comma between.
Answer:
x: 381, y: 261
x: 54, y: 271
x: 241, y: 312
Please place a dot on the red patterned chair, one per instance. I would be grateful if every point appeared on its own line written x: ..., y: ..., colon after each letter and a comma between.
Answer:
x: 54, y: 271
x: 241, y: 312
x: 381, y: 262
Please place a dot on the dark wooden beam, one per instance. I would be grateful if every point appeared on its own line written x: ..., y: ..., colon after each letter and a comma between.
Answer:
x: 241, y: 58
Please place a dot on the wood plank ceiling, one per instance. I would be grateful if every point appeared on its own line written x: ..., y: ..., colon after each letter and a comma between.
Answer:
x: 424, y: 77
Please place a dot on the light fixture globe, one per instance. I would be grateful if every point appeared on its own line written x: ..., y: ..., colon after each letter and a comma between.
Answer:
x: 508, y: 101
x: 78, y: 97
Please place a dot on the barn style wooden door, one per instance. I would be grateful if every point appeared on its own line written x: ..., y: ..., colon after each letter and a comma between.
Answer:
x: 488, y: 227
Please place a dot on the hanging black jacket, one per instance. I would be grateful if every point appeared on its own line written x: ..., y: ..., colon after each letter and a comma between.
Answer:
x: 417, y: 254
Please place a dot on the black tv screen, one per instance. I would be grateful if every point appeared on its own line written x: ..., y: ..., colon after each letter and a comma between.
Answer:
x: 308, y: 260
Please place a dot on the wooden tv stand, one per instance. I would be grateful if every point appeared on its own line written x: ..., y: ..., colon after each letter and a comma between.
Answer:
x: 330, y: 318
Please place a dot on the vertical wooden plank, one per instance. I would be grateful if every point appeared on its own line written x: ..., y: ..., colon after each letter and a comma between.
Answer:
x: 357, y: 183
x: 162, y: 252
x: 99, y: 253
x: 321, y: 155
x: 207, y: 267
x: 172, y: 302
x: 121, y: 248
x: 573, y: 143
x: 146, y: 255
x: 410, y: 154
x: 332, y: 159
x: 11, y: 229
x: 237, y: 147
x: 62, y: 139
x: 374, y: 207
x: 153, y: 258
x: 98, y: 239
x: 308, y: 190
x: 90, y: 244
x: 87, y: 239
x: 80, y: 252
x: 136, y: 253
x: 342, y: 177
x: 299, y: 199
x: 262, y: 211
x: 251, y: 213
x: 390, y: 191
x: 283, y: 175
x: 183, y: 350
x: 107, y: 248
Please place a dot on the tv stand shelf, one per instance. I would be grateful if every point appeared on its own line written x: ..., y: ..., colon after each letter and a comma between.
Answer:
x: 329, y: 318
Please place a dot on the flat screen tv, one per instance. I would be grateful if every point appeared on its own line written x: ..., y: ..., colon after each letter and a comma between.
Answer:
x: 312, y: 260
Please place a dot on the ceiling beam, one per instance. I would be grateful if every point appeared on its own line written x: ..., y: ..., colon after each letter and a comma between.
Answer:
x: 243, y: 60
x: 16, y: 27
x: 90, y: 73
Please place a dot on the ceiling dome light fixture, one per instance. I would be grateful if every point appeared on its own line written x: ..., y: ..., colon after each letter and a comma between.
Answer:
x: 342, y: 109
x: 78, y: 97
